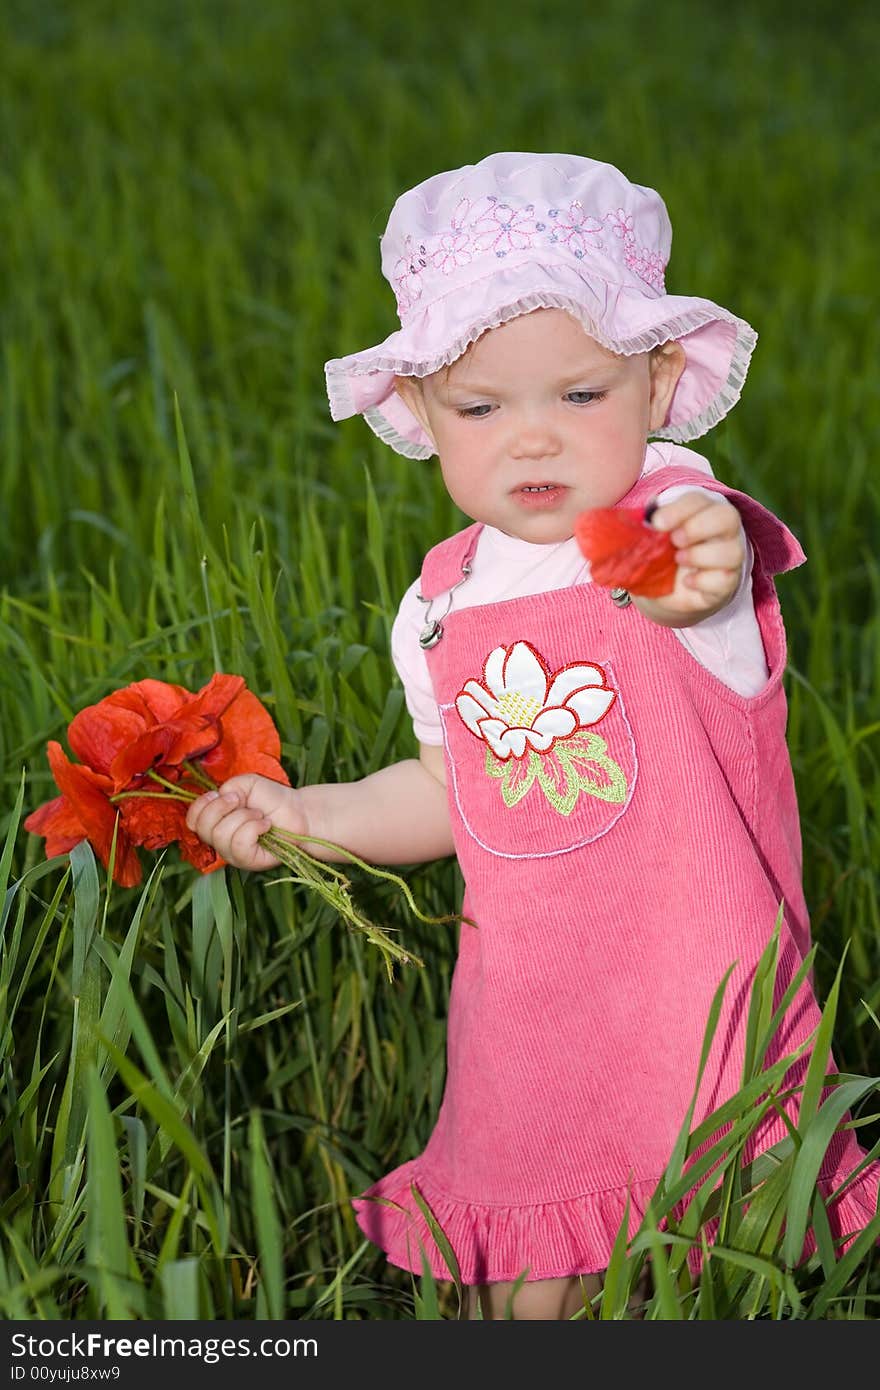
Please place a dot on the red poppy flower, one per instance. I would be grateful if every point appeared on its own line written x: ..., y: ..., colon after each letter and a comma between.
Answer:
x: 150, y: 725
x: 83, y: 811
x: 241, y: 737
x: 625, y: 552
x: 100, y: 732
x: 186, y: 734
x: 156, y: 821
x: 249, y: 743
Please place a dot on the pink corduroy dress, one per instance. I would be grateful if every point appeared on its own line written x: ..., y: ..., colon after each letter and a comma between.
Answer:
x: 626, y: 827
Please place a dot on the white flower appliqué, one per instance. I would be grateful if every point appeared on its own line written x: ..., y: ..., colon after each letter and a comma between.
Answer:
x: 538, y: 729
x: 521, y: 707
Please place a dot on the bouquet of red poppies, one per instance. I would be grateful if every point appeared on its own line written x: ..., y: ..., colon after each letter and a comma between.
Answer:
x: 145, y: 752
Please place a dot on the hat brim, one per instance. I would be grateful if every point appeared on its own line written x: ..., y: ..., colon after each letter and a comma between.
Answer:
x: 717, y: 345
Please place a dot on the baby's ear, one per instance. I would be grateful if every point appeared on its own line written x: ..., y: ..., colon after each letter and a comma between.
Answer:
x: 407, y: 386
x: 409, y: 389
x: 667, y: 363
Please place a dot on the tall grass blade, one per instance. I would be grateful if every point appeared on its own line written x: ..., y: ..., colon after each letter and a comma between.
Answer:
x: 180, y: 1290
x: 106, y: 1242
x: 9, y: 841
x: 442, y: 1240
x: 269, y: 1231
x: 816, y: 1140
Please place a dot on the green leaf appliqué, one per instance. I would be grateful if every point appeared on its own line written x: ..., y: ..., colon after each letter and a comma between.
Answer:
x: 517, y: 775
x: 573, y: 765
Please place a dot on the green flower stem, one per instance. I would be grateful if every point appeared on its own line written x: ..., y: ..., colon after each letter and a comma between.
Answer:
x: 172, y: 786
x: 199, y: 775
x: 280, y: 840
x: 332, y: 886
x: 285, y: 838
x: 162, y: 796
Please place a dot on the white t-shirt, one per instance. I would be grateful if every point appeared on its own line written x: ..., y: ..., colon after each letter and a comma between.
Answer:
x: 728, y: 644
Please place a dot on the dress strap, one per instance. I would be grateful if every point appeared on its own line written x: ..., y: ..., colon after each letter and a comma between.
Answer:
x: 444, y: 564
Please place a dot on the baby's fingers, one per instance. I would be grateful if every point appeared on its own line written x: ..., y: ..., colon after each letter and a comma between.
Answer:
x: 711, y: 555
x: 231, y: 829
x: 716, y: 521
x: 695, y: 517
x: 237, y: 839
x: 204, y: 814
x: 713, y: 585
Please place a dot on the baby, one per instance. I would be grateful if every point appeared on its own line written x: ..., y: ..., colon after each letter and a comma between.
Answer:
x: 610, y: 770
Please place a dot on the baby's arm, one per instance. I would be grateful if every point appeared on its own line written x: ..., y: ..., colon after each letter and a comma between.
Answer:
x: 710, y: 549
x: 398, y: 815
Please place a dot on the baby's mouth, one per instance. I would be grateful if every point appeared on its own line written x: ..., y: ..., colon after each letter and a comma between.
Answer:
x: 539, y: 494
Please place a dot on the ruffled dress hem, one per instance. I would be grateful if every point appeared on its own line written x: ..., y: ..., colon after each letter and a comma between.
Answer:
x: 490, y: 1242
x: 549, y: 1240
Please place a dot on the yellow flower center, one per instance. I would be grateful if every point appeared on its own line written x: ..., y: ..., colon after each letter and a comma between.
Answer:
x: 518, y: 711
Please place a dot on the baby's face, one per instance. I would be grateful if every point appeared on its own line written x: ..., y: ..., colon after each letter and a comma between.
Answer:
x: 537, y: 422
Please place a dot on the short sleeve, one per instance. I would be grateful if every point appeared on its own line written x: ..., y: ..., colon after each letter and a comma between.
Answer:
x: 729, y: 643
x: 412, y: 668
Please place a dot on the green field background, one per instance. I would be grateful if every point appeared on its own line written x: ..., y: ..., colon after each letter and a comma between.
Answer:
x: 191, y: 200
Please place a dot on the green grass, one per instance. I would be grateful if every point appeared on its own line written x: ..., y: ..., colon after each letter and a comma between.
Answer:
x: 199, y: 1075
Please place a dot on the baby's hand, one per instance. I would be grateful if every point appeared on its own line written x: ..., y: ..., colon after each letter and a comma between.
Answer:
x: 233, y: 818
x: 709, y: 551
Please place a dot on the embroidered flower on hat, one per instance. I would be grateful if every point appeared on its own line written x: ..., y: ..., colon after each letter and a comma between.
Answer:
x: 648, y: 265
x: 407, y: 274
x: 455, y: 246
x: 575, y: 229
x: 507, y: 228
x: 492, y: 227
x: 621, y: 223
x: 453, y: 251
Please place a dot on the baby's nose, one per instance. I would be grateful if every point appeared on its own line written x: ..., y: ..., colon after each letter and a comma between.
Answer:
x: 534, y: 437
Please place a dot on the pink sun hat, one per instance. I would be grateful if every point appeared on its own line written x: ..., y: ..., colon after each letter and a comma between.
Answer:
x: 468, y: 249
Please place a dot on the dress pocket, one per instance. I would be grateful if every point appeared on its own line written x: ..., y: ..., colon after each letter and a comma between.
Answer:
x: 540, y: 761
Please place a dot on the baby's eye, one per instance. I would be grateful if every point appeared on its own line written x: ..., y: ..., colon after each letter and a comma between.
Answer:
x: 585, y: 397
x: 473, y: 412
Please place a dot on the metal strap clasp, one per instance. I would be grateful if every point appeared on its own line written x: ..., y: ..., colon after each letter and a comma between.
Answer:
x: 433, y: 630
